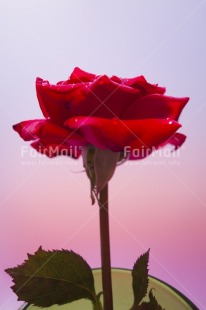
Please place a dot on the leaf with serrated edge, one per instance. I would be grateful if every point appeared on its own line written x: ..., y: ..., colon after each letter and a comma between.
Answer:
x: 53, y: 277
x: 150, y: 305
x: 140, y: 278
x: 153, y: 302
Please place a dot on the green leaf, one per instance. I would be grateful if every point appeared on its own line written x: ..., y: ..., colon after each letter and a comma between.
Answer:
x: 105, y: 162
x: 151, y: 305
x: 53, y: 277
x: 140, y: 279
x: 153, y: 301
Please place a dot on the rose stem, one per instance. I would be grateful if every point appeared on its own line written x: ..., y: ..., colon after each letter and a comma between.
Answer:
x: 105, y: 249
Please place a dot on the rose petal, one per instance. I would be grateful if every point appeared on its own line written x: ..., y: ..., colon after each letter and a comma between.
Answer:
x: 155, y: 106
x: 61, y: 134
x: 141, y: 83
x: 88, y: 94
x: 39, y: 83
x: 104, y: 98
x: 51, y: 140
x: 55, y: 100
x: 28, y: 130
x: 79, y: 76
x: 116, y: 79
x: 100, y: 132
x: 115, y: 134
x: 176, y: 140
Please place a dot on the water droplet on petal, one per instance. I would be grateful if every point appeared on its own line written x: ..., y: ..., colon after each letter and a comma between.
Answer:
x: 44, y: 83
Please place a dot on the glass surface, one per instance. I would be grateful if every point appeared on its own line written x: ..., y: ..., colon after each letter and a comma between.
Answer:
x: 168, y: 297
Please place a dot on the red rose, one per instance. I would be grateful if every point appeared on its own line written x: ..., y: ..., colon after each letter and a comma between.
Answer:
x: 108, y: 113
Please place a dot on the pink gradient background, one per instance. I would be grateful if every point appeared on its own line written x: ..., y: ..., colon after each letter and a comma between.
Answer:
x: 159, y: 203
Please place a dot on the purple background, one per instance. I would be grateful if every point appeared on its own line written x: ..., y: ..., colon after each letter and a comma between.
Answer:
x: 158, y: 203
